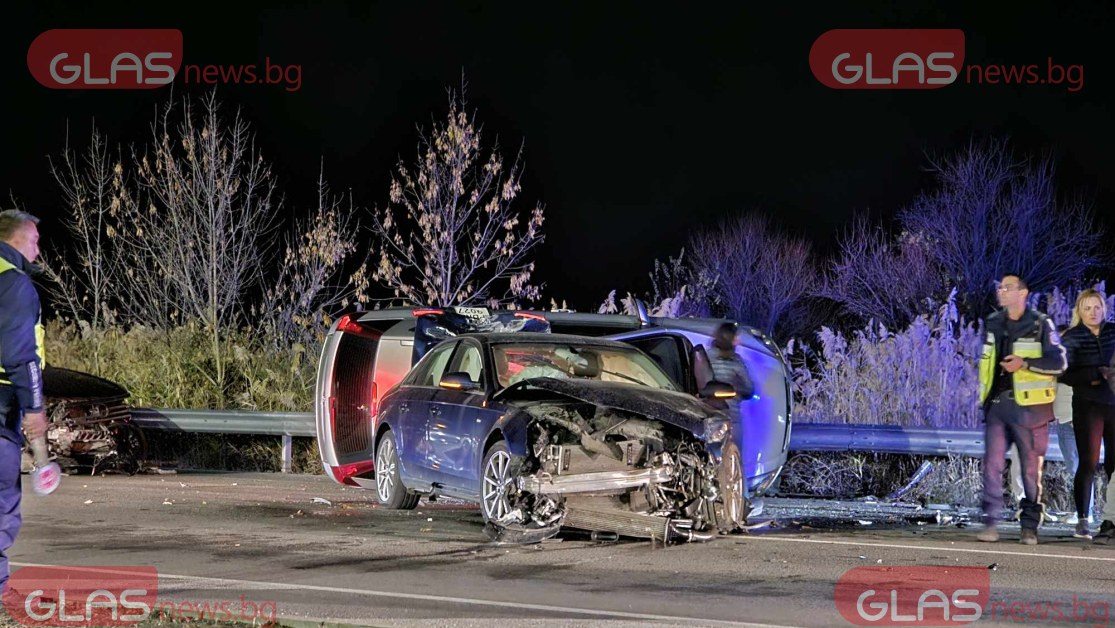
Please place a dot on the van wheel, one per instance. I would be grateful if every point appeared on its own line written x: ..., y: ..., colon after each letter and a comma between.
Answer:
x: 389, y: 482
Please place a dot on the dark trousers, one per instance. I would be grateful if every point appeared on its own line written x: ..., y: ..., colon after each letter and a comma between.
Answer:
x: 1093, y: 423
x: 1027, y: 427
x: 10, y: 492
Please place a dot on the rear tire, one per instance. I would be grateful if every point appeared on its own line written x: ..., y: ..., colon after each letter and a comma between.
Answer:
x: 390, y: 490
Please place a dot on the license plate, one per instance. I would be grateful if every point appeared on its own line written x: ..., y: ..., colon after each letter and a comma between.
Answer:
x: 472, y: 312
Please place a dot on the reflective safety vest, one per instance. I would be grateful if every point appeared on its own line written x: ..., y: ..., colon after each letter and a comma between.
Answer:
x: 1030, y: 389
x: 40, y: 332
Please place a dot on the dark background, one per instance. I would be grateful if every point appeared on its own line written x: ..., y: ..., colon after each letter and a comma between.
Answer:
x: 641, y: 122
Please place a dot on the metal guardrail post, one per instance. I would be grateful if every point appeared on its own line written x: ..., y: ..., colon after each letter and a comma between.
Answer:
x: 288, y: 452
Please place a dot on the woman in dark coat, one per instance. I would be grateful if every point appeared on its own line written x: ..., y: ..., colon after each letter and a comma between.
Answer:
x: 1090, y: 343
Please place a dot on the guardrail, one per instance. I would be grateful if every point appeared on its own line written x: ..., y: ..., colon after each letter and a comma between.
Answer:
x: 285, y: 424
x: 924, y: 441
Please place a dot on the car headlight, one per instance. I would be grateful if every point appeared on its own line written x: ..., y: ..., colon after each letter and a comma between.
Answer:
x: 716, y: 429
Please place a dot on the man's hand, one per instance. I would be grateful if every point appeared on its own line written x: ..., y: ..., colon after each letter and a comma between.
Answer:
x: 34, y: 425
x: 1012, y: 363
x: 1107, y: 372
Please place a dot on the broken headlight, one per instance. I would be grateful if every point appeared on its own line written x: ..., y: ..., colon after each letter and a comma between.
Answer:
x: 716, y: 429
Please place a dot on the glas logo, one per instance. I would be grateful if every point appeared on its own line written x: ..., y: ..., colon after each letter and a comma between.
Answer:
x: 105, y: 58
x: 888, y: 58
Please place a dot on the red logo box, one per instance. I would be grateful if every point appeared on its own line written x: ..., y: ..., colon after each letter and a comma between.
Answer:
x: 106, y: 58
x: 82, y: 596
x: 888, y: 58
x: 913, y: 596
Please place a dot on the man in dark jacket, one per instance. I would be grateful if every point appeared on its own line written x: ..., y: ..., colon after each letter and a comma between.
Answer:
x: 1022, y: 357
x: 21, y: 381
x: 728, y: 367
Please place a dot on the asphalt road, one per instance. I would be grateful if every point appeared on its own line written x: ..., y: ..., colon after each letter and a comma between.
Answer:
x: 262, y: 541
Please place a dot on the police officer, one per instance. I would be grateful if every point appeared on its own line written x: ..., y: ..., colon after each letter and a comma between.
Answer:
x: 21, y: 382
x: 1022, y: 357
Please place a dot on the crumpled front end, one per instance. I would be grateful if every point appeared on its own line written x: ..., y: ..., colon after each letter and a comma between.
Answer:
x: 613, y: 471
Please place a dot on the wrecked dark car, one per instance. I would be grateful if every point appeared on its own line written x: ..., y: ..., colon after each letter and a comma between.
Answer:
x: 550, y: 430
x: 90, y: 428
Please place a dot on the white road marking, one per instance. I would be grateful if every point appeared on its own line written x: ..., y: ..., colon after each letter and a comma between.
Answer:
x: 786, y: 539
x: 277, y: 586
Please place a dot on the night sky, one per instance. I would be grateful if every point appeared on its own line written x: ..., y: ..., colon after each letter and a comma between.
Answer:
x: 641, y: 122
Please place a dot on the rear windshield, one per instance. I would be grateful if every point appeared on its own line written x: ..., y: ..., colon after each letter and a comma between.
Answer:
x: 514, y: 363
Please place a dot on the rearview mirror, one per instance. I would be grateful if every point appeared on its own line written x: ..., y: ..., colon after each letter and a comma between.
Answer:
x: 458, y: 381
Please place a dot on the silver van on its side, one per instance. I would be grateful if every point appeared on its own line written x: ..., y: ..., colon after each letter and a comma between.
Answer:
x: 365, y: 354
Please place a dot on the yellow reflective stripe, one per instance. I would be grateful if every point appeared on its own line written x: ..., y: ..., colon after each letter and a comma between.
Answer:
x: 987, y: 368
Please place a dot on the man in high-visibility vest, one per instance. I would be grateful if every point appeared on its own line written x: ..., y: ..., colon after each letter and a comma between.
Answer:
x: 21, y: 381
x: 1022, y: 357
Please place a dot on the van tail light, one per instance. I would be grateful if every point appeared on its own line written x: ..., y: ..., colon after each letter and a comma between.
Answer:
x: 530, y: 315
x: 348, y: 325
x: 373, y: 403
x: 344, y: 473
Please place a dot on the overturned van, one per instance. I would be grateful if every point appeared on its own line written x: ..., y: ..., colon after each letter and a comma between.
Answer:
x: 366, y: 354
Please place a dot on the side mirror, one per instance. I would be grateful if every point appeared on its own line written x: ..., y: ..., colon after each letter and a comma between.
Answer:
x: 718, y: 390
x: 458, y: 381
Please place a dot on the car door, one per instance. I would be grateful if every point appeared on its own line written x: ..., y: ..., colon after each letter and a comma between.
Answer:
x: 416, y: 393
x: 672, y: 351
x: 461, y: 422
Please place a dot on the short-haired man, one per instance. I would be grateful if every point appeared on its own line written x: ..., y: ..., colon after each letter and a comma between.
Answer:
x: 1022, y: 357
x: 21, y: 382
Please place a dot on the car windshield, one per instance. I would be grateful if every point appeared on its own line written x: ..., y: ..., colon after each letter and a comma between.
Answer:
x: 517, y: 362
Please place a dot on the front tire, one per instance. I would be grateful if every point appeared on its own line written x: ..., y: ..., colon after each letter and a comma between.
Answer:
x: 497, y: 482
x: 390, y: 490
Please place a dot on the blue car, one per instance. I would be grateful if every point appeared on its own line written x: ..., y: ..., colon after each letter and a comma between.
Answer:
x: 549, y: 430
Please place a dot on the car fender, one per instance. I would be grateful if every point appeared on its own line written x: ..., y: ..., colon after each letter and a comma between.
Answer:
x: 513, y: 429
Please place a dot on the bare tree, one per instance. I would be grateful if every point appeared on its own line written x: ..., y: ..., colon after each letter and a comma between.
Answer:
x: 89, y: 182
x: 198, y: 231
x: 880, y: 278
x: 992, y: 214
x: 310, y: 284
x: 448, y: 235
x: 759, y: 273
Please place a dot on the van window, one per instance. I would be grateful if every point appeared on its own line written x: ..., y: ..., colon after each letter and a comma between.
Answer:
x: 353, y: 370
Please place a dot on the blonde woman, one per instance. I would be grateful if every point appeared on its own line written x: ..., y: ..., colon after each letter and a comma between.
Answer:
x: 1090, y: 343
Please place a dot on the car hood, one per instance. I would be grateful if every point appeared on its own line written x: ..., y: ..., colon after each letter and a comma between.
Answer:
x: 675, y: 408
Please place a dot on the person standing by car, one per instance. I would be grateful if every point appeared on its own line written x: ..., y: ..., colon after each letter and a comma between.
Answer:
x: 1022, y: 357
x: 1090, y: 343
x: 21, y: 382
x: 728, y: 367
